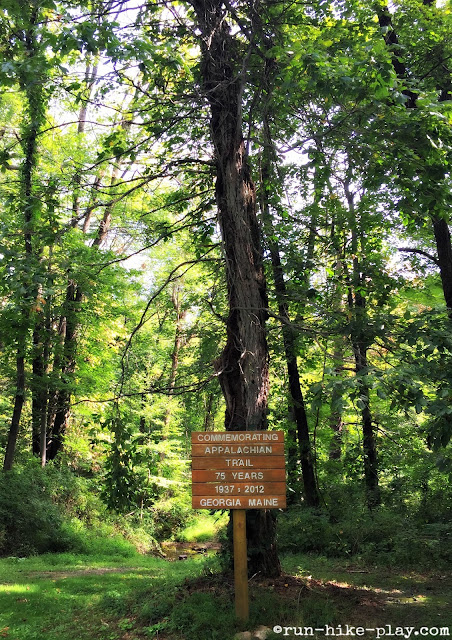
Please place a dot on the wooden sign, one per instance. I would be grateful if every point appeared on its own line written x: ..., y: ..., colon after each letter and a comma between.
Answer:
x: 238, y: 470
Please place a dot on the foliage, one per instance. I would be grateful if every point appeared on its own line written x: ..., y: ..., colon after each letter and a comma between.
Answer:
x: 113, y: 293
x: 31, y: 522
x: 50, y: 510
x: 383, y: 537
x: 203, y: 528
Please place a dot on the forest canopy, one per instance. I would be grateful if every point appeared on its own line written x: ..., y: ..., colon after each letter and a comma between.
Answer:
x: 228, y: 215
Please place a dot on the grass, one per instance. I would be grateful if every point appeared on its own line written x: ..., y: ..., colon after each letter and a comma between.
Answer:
x: 77, y: 597
x: 204, y: 527
x: 66, y: 597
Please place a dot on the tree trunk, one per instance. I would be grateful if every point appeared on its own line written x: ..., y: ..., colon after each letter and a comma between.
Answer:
x: 336, y: 422
x: 359, y: 339
x: 72, y: 306
x: 29, y: 204
x: 209, y: 411
x: 243, y: 365
x: 39, y: 390
x: 298, y: 428
x: 90, y: 78
x: 444, y: 252
x: 373, y: 497
x: 178, y: 340
x: 18, y: 404
x: 336, y: 304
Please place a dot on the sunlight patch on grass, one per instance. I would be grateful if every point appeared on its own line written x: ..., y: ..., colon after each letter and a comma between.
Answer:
x: 17, y: 588
x: 204, y: 528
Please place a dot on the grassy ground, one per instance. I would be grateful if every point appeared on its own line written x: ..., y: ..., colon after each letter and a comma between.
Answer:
x: 67, y: 597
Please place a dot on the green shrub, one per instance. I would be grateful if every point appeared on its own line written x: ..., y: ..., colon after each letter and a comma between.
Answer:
x: 303, y: 530
x: 378, y: 537
x: 51, y: 510
x: 168, y: 517
x: 30, y: 522
x: 203, y: 527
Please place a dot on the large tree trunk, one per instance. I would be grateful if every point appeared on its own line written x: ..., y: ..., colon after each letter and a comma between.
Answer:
x: 243, y: 365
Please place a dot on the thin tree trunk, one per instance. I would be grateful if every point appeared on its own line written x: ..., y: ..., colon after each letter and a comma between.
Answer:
x: 243, y: 365
x: 18, y: 404
x: 72, y: 307
x: 38, y: 386
x: 357, y: 306
x: 441, y: 229
x: 90, y: 78
x: 178, y: 340
x: 208, y: 415
x: 298, y: 428
x: 335, y: 421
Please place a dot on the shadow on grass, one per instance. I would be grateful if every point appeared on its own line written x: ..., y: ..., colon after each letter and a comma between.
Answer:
x: 191, y: 600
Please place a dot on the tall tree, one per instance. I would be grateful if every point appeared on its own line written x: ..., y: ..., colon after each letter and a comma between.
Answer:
x: 27, y: 51
x: 243, y: 365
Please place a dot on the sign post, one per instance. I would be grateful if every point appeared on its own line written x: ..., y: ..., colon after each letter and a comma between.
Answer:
x: 238, y: 470
x: 242, y: 607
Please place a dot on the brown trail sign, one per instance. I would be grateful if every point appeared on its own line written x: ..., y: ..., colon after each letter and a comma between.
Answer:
x: 238, y: 470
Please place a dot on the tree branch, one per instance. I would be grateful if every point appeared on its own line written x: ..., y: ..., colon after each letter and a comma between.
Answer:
x: 420, y: 252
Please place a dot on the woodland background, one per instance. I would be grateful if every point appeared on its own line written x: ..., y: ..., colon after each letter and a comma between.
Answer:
x: 113, y: 293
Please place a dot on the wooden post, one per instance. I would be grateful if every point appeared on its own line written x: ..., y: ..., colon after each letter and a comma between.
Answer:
x: 240, y: 564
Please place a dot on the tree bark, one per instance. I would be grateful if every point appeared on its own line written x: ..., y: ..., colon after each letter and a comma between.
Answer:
x: 444, y: 251
x: 90, y: 78
x: 335, y: 421
x: 243, y: 365
x: 178, y: 341
x: 39, y: 391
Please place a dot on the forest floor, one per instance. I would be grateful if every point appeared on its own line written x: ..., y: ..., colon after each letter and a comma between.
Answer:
x: 70, y: 597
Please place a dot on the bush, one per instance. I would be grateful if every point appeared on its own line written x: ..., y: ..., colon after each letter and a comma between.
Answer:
x: 203, y: 527
x: 30, y: 522
x: 168, y: 517
x: 304, y: 530
x: 382, y: 536
x: 51, y: 510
